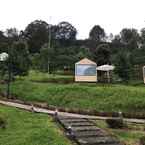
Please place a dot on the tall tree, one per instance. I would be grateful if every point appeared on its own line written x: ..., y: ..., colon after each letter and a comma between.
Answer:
x: 3, y: 42
x: 12, y: 35
x: 36, y: 34
x: 97, y: 33
x: 102, y: 54
x: 47, y: 58
x: 2, y: 37
x: 130, y: 38
x: 66, y: 31
x: 19, y: 58
x: 123, y: 65
x: 143, y: 38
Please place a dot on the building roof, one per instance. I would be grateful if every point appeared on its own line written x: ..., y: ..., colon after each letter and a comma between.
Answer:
x: 105, y: 67
x: 86, y: 61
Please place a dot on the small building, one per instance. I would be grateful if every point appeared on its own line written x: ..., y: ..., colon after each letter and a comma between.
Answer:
x: 105, y: 73
x: 85, y: 71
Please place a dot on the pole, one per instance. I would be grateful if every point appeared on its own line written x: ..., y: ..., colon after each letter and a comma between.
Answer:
x: 9, y: 75
x: 49, y: 44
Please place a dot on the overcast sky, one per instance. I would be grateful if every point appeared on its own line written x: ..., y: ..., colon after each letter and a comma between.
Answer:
x: 112, y: 15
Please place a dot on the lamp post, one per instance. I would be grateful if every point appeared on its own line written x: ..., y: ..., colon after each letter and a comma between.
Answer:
x: 3, y: 57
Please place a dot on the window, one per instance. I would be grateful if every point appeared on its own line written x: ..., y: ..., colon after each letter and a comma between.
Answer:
x: 85, y: 70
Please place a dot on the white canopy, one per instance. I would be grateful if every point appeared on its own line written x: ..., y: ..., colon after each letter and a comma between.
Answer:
x: 105, y: 67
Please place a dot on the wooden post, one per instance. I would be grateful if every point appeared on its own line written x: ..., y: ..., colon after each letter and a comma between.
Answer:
x: 144, y: 74
x: 108, y: 76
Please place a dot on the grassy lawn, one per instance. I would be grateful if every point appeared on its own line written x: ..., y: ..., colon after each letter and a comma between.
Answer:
x: 129, y: 135
x: 25, y: 128
x: 100, y: 97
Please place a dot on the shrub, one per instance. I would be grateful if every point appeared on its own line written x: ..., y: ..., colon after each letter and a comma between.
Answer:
x: 142, y: 140
x: 2, y: 122
x: 115, y: 122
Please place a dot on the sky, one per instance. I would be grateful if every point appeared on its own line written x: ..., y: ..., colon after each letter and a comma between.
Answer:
x: 112, y: 15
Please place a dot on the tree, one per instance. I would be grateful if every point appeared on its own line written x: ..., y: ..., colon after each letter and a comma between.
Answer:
x: 102, y: 54
x: 65, y: 31
x: 130, y: 38
x: 12, y: 35
x: 36, y: 34
x: 97, y: 33
x: 3, y: 42
x: 123, y: 66
x: 2, y: 37
x: 142, y: 38
x: 19, y: 58
x: 47, y: 58
x: 83, y: 52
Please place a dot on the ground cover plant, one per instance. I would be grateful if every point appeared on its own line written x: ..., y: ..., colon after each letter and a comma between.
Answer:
x: 100, y: 97
x: 31, y: 129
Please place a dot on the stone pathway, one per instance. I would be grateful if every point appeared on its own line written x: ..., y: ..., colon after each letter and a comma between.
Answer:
x: 84, y: 132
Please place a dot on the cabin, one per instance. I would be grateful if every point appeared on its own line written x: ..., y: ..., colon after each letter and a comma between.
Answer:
x: 85, y: 71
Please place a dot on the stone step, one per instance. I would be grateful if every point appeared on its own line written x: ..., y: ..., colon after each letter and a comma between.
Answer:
x: 78, y: 124
x: 73, y: 120
x: 90, y: 133
x: 85, y: 128
x: 102, y: 144
x: 96, y: 140
x: 84, y: 132
x: 67, y: 117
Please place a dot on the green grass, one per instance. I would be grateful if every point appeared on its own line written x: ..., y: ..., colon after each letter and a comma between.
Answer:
x: 129, y: 135
x: 25, y: 128
x: 100, y: 97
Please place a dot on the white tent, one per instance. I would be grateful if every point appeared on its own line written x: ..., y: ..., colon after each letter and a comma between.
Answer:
x: 107, y: 69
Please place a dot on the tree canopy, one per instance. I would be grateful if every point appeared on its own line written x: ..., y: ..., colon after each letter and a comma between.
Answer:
x: 97, y: 33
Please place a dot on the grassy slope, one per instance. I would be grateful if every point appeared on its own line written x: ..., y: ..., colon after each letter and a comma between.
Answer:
x: 25, y: 128
x: 130, y: 135
x: 87, y: 96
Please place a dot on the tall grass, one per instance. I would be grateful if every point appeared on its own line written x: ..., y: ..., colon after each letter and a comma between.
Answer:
x: 100, y: 97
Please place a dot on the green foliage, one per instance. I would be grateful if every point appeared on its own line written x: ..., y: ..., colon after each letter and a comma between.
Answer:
x: 128, y: 136
x: 125, y: 98
x: 65, y: 49
x: 3, y: 70
x: 123, y: 66
x: 26, y: 128
x: 130, y: 38
x: 102, y: 54
x: 36, y: 34
x: 142, y: 140
x: 97, y: 33
x: 35, y: 61
x: 60, y: 58
x: 19, y: 58
x: 3, y: 122
x: 65, y: 31
x: 115, y: 123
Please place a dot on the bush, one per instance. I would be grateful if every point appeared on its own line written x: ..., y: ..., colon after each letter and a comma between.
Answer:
x: 142, y: 140
x: 2, y: 122
x: 115, y: 123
